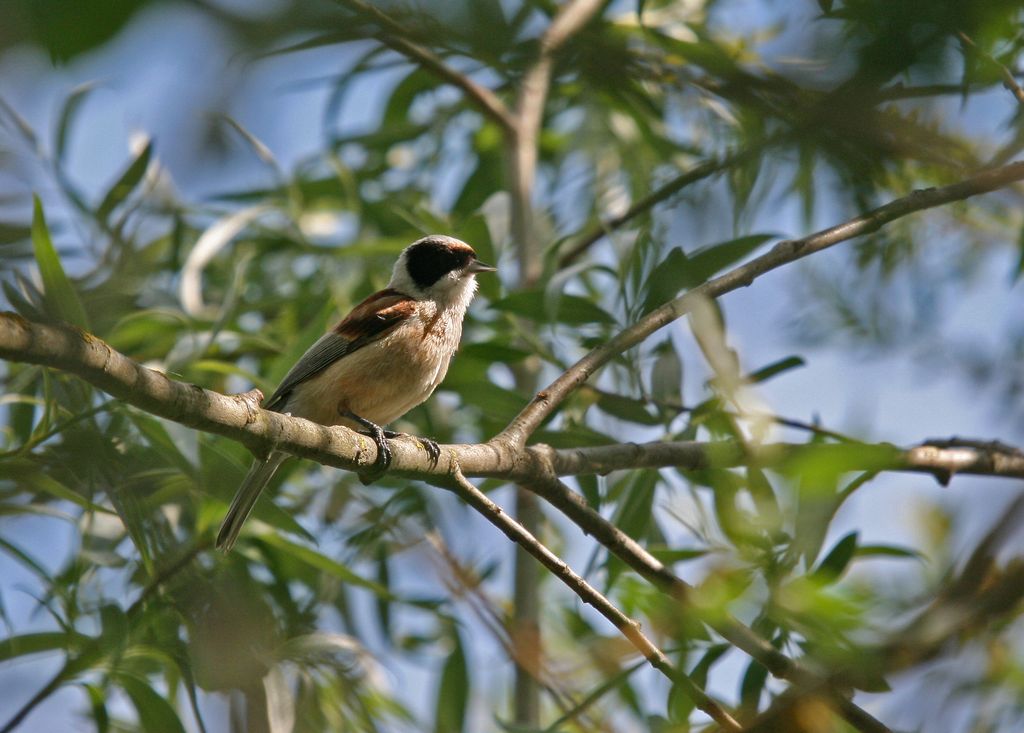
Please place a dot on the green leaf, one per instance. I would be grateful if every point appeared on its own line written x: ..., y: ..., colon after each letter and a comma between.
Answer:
x: 98, y: 705
x: 667, y: 375
x: 700, y: 671
x: 627, y: 408
x: 837, y: 560
x: 68, y: 111
x: 45, y: 641
x: 679, y: 707
x: 671, y: 555
x: 769, y: 515
x: 708, y: 261
x: 26, y: 559
x: 888, y: 551
x: 590, y: 489
x: 572, y: 310
x: 321, y: 562
x: 61, y: 298
x: 666, y: 279
x: 634, y: 515
x: 125, y: 183
x: 156, y: 715
x: 679, y: 271
x: 775, y: 368
x: 453, y: 692
x: 752, y: 686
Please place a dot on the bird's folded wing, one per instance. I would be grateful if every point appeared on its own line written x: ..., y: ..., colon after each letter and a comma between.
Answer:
x: 368, y: 321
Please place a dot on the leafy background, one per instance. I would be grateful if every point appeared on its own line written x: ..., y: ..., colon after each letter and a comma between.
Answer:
x: 220, y: 180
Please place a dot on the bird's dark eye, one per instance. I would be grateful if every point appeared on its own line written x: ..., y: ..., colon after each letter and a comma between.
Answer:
x: 428, y: 260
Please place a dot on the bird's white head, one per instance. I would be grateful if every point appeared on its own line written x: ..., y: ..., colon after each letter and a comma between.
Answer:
x: 438, y: 268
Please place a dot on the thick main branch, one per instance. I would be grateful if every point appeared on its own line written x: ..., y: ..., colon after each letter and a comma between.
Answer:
x: 239, y: 418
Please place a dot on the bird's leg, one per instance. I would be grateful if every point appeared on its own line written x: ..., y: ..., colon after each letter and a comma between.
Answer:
x: 374, y: 431
x: 430, y: 446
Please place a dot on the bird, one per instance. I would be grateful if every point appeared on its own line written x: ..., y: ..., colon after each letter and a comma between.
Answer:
x: 387, y: 356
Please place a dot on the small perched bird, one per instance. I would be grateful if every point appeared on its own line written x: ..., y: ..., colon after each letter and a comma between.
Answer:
x: 384, y: 358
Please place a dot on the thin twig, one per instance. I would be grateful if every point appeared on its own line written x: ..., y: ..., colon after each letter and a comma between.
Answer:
x: 783, y: 253
x: 1008, y: 81
x: 396, y: 37
x: 529, y: 115
x: 697, y: 173
x: 463, y: 582
x: 786, y: 422
x: 628, y: 627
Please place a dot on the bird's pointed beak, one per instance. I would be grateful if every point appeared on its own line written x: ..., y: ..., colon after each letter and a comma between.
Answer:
x: 477, y: 266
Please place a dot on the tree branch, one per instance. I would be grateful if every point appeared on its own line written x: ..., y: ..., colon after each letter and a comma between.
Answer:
x: 548, y: 400
x: 628, y: 627
x: 395, y: 37
x: 529, y: 116
x: 1009, y: 83
x: 238, y: 417
x: 697, y: 173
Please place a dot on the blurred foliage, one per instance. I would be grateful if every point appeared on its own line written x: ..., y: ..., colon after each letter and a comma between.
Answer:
x: 830, y: 109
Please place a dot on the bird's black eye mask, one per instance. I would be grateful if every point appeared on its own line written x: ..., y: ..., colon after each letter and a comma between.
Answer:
x: 430, y: 260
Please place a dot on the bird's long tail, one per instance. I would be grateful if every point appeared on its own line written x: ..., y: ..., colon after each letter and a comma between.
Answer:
x: 245, y: 498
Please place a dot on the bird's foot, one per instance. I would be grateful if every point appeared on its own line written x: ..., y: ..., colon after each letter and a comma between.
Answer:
x: 380, y: 439
x: 430, y: 446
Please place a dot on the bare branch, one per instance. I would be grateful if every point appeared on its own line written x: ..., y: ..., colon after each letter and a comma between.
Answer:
x: 548, y: 400
x: 628, y: 627
x: 942, y: 459
x: 238, y: 417
x: 395, y: 37
x: 529, y: 115
x: 698, y: 173
x: 1008, y: 81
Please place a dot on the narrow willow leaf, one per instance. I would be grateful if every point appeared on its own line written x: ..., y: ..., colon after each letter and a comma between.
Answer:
x: 775, y: 368
x: 61, y: 298
x: 322, y: 562
x: 44, y: 641
x: 156, y: 714
x: 98, y: 707
x: 453, y: 692
x: 889, y: 551
x: 125, y: 183
x: 627, y: 408
x: 837, y: 560
x: 68, y: 111
x: 752, y: 686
